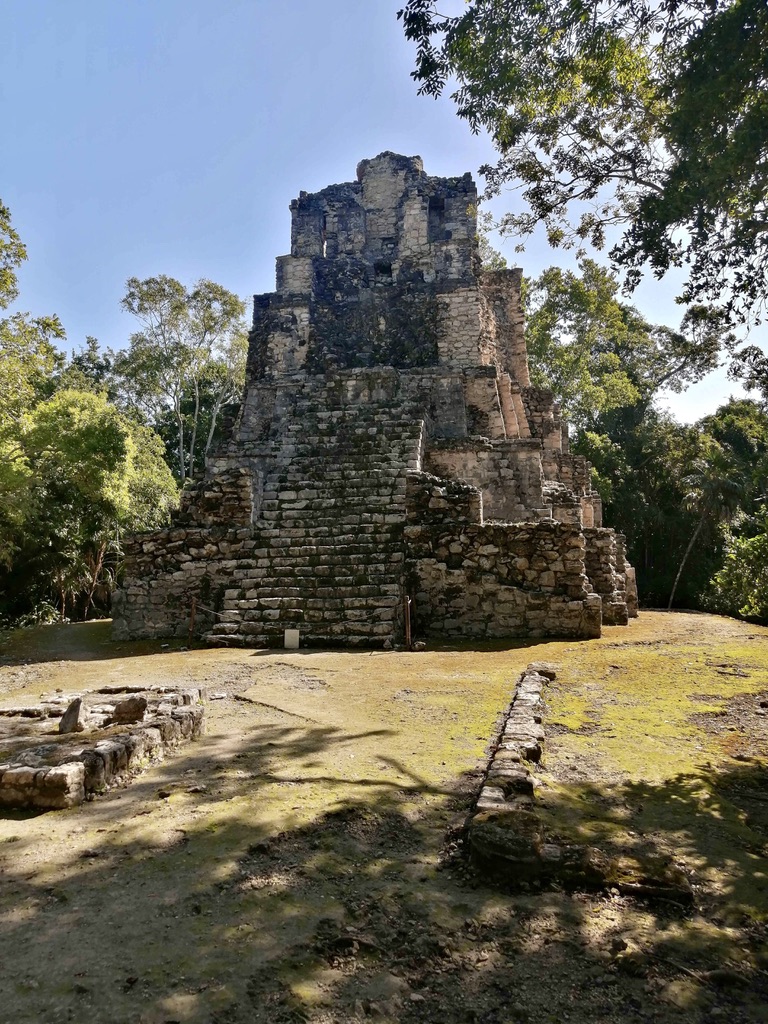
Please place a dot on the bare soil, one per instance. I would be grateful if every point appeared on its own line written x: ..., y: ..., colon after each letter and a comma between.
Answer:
x: 303, y: 861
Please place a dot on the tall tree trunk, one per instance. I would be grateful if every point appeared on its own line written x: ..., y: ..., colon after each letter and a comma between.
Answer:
x: 214, y: 418
x: 180, y: 422
x: 95, y: 573
x: 193, y: 438
x: 688, y: 550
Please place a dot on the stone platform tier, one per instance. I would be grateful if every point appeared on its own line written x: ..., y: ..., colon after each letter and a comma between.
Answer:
x: 326, y: 520
x: 313, y: 534
x: 327, y: 517
x: 385, y: 350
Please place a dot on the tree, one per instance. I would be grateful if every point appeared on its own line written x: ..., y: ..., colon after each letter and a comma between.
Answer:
x: 190, y: 353
x: 714, y: 490
x: 598, y: 354
x: 88, y: 369
x: 651, y: 117
x: 93, y: 474
x: 741, y: 586
x: 28, y: 359
x: 741, y: 427
x: 75, y: 472
x: 12, y: 255
x: 640, y: 458
x: 750, y: 365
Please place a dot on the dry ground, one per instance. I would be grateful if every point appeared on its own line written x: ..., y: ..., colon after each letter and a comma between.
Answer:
x: 301, y: 861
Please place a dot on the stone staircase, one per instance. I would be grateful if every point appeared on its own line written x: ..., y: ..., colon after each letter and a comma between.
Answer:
x: 327, y: 551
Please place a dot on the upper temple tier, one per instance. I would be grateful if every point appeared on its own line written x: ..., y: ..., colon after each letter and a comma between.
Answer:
x: 385, y: 271
x: 390, y: 472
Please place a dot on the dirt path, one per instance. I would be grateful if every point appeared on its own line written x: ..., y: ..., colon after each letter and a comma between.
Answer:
x: 301, y: 867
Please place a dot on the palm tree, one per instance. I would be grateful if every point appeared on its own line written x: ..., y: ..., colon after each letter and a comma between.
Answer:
x: 715, y: 487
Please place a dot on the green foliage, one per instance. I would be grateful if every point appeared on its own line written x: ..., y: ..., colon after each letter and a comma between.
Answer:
x: 598, y: 354
x: 187, y: 361
x: 28, y: 360
x: 12, y: 255
x: 639, y: 458
x: 715, y: 182
x: 741, y: 586
x: 88, y: 369
x: 750, y: 366
x: 90, y: 474
x: 650, y: 116
x: 75, y: 471
x: 78, y: 439
x: 714, y: 488
x: 741, y: 427
x: 574, y: 327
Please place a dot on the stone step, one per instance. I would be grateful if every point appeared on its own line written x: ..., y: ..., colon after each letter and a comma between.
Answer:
x: 385, y: 586
x: 360, y: 585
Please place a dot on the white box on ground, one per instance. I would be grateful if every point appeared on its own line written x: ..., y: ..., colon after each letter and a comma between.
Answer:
x: 291, y: 642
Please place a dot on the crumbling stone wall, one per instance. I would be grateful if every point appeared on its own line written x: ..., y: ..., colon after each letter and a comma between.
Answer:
x: 508, y: 473
x: 388, y: 444
x: 607, y: 569
x: 496, y: 580
x: 97, y: 752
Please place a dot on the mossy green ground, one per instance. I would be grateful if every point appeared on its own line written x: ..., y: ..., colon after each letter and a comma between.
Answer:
x: 304, y: 882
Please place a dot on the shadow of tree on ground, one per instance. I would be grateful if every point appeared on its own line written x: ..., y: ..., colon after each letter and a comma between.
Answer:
x: 229, y: 905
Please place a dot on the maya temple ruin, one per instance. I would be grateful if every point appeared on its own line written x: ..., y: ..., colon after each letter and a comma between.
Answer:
x: 390, y: 473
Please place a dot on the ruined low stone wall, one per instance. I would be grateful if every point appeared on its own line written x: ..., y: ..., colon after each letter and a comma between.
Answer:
x: 166, y: 570
x: 510, y: 841
x: 496, y: 580
x: 52, y: 777
x: 606, y: 567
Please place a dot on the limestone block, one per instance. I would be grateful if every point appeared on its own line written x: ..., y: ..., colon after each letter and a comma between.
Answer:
x: 130, y: 710
x: 62, y: 786
x: 75, y: 718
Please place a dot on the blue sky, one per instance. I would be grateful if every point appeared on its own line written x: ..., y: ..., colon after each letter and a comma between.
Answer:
x: 144, y: 137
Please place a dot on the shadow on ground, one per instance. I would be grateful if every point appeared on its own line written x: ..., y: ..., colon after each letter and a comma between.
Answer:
x: 248, y: 913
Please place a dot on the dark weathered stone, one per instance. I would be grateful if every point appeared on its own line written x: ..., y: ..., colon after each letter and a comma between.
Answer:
x: 130, y: 710
x: 650, y: 878
x: 390, y: 458
x: 542, y: 668
x: 505, y: 844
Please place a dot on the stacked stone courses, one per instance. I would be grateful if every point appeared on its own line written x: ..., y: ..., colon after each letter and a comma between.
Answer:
x: 389, y: 456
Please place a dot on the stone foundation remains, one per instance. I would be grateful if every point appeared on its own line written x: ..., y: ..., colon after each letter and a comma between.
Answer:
x: 90, y: 750
x: 507, y: 838
x: 390, y: 459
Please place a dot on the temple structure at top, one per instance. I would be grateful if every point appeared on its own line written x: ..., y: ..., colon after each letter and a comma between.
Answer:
x: 390, y: 468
